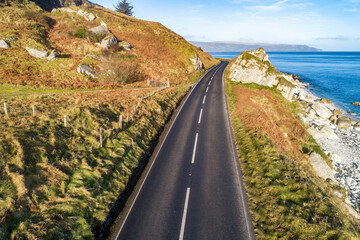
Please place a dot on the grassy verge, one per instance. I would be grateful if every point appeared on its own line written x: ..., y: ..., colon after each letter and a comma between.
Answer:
x: 56, y: 181
x: 286, y: 198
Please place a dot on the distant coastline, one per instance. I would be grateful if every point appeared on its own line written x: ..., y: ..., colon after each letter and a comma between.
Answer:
x: 241, y: 47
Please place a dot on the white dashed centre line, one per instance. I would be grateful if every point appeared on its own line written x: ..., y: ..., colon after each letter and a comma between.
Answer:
x: 183, y: 222
x: 194, y: 151
x: 204, y: 100
x: 207, y: 89
x: 201, y: 111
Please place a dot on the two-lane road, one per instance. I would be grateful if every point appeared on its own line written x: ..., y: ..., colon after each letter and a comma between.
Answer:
x: 193, y: 189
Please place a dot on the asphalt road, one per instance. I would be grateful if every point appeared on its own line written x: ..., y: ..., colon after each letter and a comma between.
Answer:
x: 193, y: 187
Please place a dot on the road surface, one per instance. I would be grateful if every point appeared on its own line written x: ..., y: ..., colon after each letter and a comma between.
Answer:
x: 193, y: 187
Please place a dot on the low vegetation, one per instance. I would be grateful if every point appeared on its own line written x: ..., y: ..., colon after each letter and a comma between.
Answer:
x: 57, y: 182
x: 286, y: 198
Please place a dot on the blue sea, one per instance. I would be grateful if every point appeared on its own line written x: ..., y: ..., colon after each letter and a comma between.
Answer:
x: 332, y: 75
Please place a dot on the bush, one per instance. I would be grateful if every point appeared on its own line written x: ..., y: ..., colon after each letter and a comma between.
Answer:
x: 96, y: 37
x: 121, y: 72
x: 80, y: 32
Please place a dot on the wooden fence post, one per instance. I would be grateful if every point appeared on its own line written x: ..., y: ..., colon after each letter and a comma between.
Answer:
x: 101, y: 137
x: 120, y: 121
x: 127, y: 118
x: 33, y: 109
x: 5, y: 109
x: 65, y: 123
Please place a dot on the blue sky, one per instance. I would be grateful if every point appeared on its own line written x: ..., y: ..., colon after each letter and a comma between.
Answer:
x: 328, y: 25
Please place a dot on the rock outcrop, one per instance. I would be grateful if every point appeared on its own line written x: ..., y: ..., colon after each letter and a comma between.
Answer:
x: 4, y: 44
x: 199, y: 66
x: 320, y: 166
x: 255, y: 67
x: 87, y: 15
x: 38, y: 53
x: 108, y: 42
x: 86, y: 70
x: 356, y: 103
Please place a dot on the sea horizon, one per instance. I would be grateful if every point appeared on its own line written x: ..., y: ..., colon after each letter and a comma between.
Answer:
x: 334, y: 75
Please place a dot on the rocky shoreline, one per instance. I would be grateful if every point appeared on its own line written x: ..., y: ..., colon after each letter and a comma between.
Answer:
x: 337, y: 134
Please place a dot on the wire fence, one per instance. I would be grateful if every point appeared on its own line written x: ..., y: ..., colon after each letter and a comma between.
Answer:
x: 34, y: 111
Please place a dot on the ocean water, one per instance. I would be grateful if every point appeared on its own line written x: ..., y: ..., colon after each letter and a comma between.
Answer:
x: 332, y: 75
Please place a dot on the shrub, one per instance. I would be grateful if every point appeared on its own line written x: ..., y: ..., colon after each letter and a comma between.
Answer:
x: 80, y: 32
x: 121, y: 72
x: 95, y: 37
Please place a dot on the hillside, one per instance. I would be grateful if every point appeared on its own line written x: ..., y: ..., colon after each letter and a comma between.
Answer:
x: 242, y: 47
x: 67, y: 154
x: 277, y: 155
x: 132, y: 51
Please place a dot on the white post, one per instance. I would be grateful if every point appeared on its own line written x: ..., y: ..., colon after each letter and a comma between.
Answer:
x: 65, y: 123
x: 33, y: 109
x: 101, y: 138
x: 5, y: 109
x: 120, y: 121
x: 134, y: 110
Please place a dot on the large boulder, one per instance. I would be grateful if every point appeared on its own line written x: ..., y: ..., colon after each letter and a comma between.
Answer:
x: 320, y: 167
x: 321, y: 110
x: 199, y: 66
x: 344, y: 122
x: 4, y: 44
x: 108, y: 42
x: 323, y: 132
x: 97, y: 34
x: 356, y: 103
x: 52, y: 55
x: 88, y: 16
x: 86, y: 70
x: 125, y: 45
x: 38, y: 53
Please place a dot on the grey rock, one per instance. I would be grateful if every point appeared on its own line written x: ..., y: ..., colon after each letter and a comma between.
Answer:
x: 52, y: 55
x: 108, y: 42
x: 99, y: 30
x: 86, y: 70
x: 344, y: 122
x: 4, y: 44
x: 197, y: 63
x: 10, y: 39
x: 320, y: 166
x: 321, y: 110
x: 88, y: 16
x: 41, y: 53
x: 125, y: 45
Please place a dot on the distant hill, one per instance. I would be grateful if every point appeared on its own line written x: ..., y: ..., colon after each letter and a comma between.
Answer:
x: 241, y: 47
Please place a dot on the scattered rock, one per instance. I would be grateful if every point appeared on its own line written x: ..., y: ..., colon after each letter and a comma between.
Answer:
x: 357, y: 126
x: 86, y: 70
x: 4, y: 44
x: 321, y: 110
x: 320, y: 167
x: 344, y: 122
x: 86, y: 15
x: 65, y: 9
x: 337, y: 112
x: 10, y: 39
x: 356, y: 103
x: 52, y: 55
x: 108, y: 42
x: 322, y: 132
x: 38, y: 53
x: 125, y: 45
x: 323, y: 100
x: 102, y: 23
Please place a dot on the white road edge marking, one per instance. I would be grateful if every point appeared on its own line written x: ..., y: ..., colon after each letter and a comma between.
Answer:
x: 200, y: 116
x: 152, y: 164
x: 204, y: 100
x: 194, y: 151
x: 183, y: 222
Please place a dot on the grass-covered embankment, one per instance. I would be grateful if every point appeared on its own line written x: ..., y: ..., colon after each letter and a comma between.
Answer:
x: 56, y: 182
x: 286, y: 198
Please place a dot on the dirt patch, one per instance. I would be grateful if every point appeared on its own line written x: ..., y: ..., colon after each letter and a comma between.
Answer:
x: 265, y: 113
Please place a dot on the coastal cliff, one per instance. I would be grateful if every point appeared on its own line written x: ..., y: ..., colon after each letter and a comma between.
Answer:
x: 287, y: 137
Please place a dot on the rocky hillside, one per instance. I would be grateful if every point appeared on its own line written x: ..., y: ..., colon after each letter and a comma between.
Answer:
x: 88, y: 46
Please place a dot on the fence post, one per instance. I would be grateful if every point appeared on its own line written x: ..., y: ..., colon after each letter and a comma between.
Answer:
x: 65, y: 123
x: 127, y: 118
x: 101, y: 137
x: 33, y: 109
x: 5, y: 109
x: 120, y: 121
x: 134, y: 110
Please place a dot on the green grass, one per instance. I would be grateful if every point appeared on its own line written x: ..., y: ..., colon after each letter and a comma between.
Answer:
x: 58, y: 182
x: 286, y: 199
